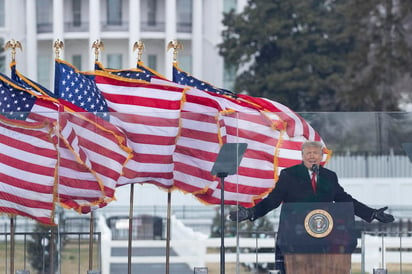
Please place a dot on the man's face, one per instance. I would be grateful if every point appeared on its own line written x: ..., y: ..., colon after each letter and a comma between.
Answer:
x: 311, y: 155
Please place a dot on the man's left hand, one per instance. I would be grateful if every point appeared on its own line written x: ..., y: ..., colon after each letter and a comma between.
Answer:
x: 381, y: 216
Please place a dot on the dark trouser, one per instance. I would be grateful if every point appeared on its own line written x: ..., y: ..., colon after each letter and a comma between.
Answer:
x: 279, y: 260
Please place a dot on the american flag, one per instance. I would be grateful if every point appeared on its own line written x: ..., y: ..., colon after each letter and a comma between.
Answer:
x: 200, y: 136
x: 126, y: 73
x: 274, y: 135
x: 101, y: 150
x: 78, y: 89
x: 26, y: 83
x: 154, y: 74
x: 86, y: 141
x: 149, y: 114
x: 174, y: 177
x: 207, y: 121
x: 255, y: 178
x: 202, y: 132
x: 238, y: 122
x: 184, y: 78
x: 297, y: 129
x: 28, y: 161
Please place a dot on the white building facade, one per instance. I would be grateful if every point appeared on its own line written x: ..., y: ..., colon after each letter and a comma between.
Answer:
x: 196, y: 24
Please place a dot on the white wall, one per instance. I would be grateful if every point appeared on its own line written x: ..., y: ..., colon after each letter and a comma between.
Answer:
x: 380, y: 191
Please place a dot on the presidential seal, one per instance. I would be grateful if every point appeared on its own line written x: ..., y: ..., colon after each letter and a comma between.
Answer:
x: 318, y: 223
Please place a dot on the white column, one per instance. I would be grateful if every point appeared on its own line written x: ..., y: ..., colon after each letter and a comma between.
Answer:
x: 134, y: 30
x: 94, y: 29
x: 170, y: 35
x: 30, y: 45
x: 16, y: 28
x: 58, y: 23
x: 197, y: 39
x: 217, y: 39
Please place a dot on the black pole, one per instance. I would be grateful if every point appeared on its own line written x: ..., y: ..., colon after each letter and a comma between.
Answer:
x: 129, y: 240
x: 91, y: 236
x: 12, y: 244
x: 226, y: 164
x: 222, y: 223
x: 168, y: 227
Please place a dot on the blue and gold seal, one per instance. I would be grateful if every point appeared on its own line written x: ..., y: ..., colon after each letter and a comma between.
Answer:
x: 318, y: 223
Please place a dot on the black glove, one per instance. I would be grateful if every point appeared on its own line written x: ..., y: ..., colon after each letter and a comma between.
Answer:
x: 241, y: 214
x: 381, y: 216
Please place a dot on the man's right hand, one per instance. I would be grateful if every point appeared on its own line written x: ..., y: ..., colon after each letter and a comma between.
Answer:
x: 241, y: 214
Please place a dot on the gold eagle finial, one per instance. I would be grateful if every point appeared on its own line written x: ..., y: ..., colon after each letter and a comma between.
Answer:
x: 13, y: 45
x: 58, y: 46
x: 97, y: 46
x: 139, y: 45
x: 175, y: 45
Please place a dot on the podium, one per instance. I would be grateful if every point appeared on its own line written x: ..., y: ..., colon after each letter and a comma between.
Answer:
x: 317, y: 237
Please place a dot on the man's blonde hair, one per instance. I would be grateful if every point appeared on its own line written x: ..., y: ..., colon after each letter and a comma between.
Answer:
x: 312, y: 144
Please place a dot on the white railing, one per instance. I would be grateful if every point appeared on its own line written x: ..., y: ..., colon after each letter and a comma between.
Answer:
x: 192, y: 248
x: 381, y: 250
x: 349, y: 166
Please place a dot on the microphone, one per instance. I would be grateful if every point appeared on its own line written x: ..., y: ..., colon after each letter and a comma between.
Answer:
x: 315, y: 168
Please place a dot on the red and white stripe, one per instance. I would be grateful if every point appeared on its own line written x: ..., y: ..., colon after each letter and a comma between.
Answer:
x: 274, y: 135
x: 201, y: 135
x: 297, y: 130
x: 100, y: 159
x: 92, y: 154
x: 255, y: 178
x: 149, y: 115
x: 208, y: 120
x: 264, y: 128
x: 28, y: 163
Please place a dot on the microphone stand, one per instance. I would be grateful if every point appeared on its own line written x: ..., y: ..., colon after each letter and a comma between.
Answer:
x: 222, y: 176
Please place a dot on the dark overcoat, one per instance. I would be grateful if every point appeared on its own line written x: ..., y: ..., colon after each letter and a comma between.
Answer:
x: 294, y: 186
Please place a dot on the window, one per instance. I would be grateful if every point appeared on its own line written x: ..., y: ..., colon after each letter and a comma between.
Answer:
x: 229, y: 5
x: 114, y: 12
x: 77, y: 13
x: 114, y: 61
x: 43, y: 14
x: 184, y: 15
x: 43, y: 70
x: 229, y: 77
x: 152, y: 61
x: 2, y: 57
x: 2, y: 14
x: 151, y: 12
x: 77, y: 61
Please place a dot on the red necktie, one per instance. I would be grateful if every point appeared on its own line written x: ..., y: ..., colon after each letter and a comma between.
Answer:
x: 314, y: 182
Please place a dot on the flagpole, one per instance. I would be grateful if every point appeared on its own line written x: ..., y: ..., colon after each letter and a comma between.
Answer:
x: 12, y: 244
x: 175, y: 45
x: 169, y: 206
x: 13, y: 45
x: 91, y: 240
x: 97, y: 46
x: 129, y: 247
x: 222, y: 223
x: 51, y: 249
